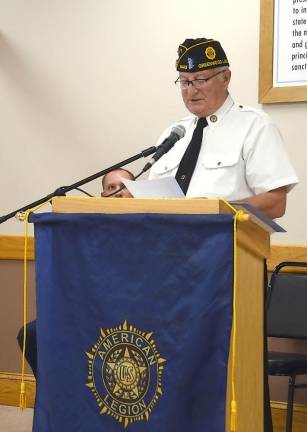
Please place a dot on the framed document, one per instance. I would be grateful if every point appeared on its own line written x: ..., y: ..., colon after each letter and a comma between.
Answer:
x: 283, y: 51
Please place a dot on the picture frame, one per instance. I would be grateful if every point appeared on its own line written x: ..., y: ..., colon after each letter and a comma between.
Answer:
x: 267, y: 92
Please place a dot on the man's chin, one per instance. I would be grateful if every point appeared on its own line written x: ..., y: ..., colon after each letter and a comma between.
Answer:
x: 196, y: 110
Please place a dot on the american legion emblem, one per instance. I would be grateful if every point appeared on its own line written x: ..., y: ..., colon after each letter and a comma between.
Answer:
x: 125, y: 373
x: 210, y: 53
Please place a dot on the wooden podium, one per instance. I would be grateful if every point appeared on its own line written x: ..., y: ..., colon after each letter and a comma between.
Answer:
x: 253, y: 246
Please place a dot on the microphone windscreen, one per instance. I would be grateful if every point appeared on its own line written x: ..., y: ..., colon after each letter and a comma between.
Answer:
x: 179, y: 130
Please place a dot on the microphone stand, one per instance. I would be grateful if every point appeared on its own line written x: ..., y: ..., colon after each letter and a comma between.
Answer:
x: 61, y: 191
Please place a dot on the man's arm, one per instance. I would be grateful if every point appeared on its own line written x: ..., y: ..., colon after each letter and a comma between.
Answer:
x: 272, y: 203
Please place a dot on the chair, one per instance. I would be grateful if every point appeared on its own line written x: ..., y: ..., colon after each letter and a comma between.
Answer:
x: 286, y: 309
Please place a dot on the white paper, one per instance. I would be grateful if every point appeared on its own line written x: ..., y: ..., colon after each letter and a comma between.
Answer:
x: 160, y: 188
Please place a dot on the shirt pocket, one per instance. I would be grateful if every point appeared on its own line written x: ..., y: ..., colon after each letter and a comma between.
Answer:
x: 219, y: 161
x: 223, y: 172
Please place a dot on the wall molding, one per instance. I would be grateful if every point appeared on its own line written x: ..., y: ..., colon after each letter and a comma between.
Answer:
x: 287, y: 252
x: 12, y: 247
x: 10, y: 387
x: 279, y: 410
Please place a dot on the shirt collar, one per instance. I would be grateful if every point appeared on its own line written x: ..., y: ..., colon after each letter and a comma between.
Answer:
x: 215, y: 118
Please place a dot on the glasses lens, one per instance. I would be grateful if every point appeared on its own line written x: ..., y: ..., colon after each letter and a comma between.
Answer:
x: 183, y: 84
x: 198, y: 83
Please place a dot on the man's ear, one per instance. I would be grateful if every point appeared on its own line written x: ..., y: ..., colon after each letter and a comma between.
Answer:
x: 227, y: 76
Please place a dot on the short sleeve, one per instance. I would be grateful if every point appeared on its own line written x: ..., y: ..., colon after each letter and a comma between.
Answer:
x: 267, y: 164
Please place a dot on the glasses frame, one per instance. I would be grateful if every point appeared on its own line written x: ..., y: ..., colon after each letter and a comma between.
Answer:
x: 192, y: 82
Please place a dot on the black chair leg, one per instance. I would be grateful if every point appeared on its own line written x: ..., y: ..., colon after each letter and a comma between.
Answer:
x: 291, y: 388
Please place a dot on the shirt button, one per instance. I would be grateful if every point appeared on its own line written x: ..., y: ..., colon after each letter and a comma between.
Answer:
x: 182, y: 177
x: 213, y: 118
x: 219, y: 163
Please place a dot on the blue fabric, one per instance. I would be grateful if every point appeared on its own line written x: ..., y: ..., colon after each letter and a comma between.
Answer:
x: 169, y: 275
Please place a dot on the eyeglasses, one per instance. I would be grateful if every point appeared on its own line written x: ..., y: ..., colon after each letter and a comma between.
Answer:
x: 197, y: 83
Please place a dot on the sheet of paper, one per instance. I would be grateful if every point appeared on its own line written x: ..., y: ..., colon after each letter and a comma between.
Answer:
x: 160, y: 188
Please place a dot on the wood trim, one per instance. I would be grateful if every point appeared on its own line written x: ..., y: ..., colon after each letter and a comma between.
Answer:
x: 276, y: 405
x: 254, y: 238
x: 266, y: 49
x: 250, y: 235
x: 10, y: 386
x: 268, y: 93
x: 248, y: 371
x: 287, y: 252
x: 279, y: 416
x: 9, y: 395
x: 12, y: 247
x: 78, y: 204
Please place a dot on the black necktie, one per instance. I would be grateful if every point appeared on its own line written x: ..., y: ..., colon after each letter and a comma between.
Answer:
x: 189, y: 159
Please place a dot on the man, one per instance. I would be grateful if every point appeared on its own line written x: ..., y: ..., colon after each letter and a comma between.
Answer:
x: 112, y: 186
x: 236, y: 151
x: 112, y: 182
x: 229, y: 150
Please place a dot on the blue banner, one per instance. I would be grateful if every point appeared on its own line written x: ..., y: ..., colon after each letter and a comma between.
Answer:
x: 134, y: 315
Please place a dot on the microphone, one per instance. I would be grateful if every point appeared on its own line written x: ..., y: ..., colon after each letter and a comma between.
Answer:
x: 176, y: 134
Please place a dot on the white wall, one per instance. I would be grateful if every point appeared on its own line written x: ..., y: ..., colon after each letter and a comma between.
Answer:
x: 87, y: 83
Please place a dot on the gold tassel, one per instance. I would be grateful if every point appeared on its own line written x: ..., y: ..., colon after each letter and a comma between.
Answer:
x: 22, y: 396
x: 233, y: 416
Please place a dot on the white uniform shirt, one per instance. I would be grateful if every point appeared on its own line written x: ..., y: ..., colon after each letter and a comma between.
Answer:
x: 242, y: 154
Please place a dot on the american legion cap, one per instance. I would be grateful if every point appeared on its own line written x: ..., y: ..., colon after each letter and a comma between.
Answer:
x: 199, y: 54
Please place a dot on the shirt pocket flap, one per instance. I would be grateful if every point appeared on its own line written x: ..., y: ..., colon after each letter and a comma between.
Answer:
x: 213, y: 161
x: 166, y: 165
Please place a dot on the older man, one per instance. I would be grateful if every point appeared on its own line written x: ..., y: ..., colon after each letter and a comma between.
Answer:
x: 229, y: 150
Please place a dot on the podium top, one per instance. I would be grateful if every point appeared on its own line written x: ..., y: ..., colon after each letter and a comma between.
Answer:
x: 251, y: 234
x: 78, y: 204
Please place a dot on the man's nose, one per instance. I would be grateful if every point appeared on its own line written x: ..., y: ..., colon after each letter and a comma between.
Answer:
x: 192, y: 89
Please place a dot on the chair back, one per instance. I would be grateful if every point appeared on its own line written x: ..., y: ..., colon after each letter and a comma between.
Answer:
x: 286, y: 306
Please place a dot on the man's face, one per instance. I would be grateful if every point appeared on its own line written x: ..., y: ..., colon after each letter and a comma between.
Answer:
x: 204, y: 101
x: 112, y: 182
